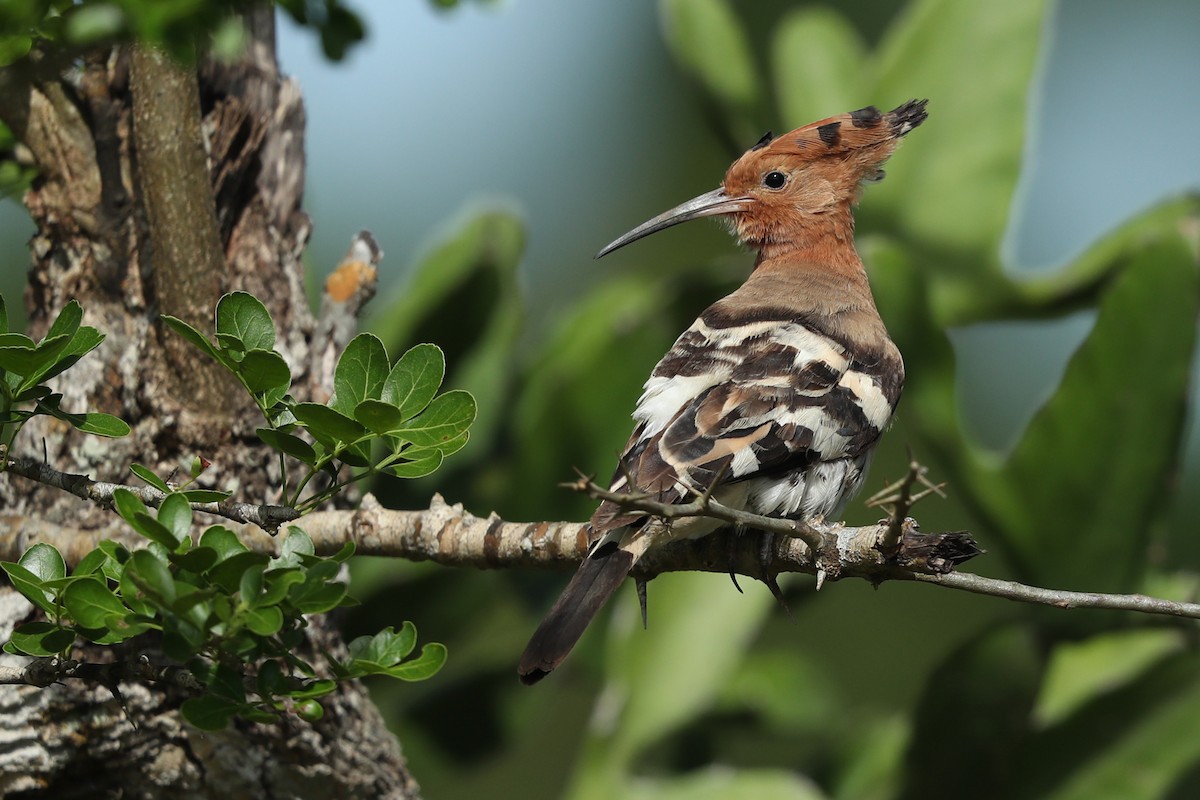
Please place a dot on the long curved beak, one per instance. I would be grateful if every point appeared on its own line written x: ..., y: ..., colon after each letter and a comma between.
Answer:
x: 709, y: 204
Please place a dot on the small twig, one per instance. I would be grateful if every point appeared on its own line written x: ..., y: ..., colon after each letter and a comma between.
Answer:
x: 267, y: 517
x: 1058, y: 598
x: 704, y: 506
x: 897, y: 499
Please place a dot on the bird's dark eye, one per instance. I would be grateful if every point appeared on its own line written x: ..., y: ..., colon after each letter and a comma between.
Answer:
x: 774, y: 180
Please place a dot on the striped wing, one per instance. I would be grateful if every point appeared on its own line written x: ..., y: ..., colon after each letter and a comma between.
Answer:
x: 757, y: 400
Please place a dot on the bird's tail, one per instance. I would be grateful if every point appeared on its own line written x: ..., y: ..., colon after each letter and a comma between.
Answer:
x: 596, y: 580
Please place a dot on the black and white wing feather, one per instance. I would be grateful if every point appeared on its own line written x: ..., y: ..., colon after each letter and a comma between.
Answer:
x: 788, y: 410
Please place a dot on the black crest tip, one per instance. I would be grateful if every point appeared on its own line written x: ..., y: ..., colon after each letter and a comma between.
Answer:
x: 908, y: 116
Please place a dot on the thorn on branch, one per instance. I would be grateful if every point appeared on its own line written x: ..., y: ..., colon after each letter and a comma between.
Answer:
x: 897, y: 499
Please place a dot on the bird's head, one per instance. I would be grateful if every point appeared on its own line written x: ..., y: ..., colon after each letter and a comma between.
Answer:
x: 783, y: 185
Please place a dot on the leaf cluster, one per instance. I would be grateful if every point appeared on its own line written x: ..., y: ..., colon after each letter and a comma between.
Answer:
x: 382, y: 418
x: 183, y: 27
x: 26, y: 367
x: 235, y: 618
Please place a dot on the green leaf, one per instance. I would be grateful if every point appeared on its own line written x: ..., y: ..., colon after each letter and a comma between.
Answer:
x: 697, y: 625
x: 113, y: 550
x: 291, y: 445
x: 952, y: 191
x: 311, y: 598
x: 326, y: 425
x: 360, y: 374
x: 426, y: 463
x: 18, y: 353
x: 128, y: 504
x: 250, y: 585
x: 84, y: 340
x: 415, y: 379
x: 228, y: 573
x: 196, y: 560
x: 244, y: 317
x: 147, y: 475
x: 279, y: 582
x: 264, y: 370
x: 41, y: 639
x: 378, y: 416
x: 176, y: 514
x: 385, y: 648
x: 446, y: 418
x: 204, y: 495
x: 265, y: 621
x: 721, y: 783
x: 426, y: 665
x: 1134, y: 741
x: 44, y: 561
x: 817, y: 59
x: 314, y: 689
x: 151, y: 575
x: 222, y: 540
x: 154, y: 530
x: 708, y: 40
x: 93, y: 562
x: 89, y: 602
x: 193, y: 336
x: 1084, y: 671
x: 67, y: 321
x: 467, y: 294
x: 29, y: 585
x: 1119, y: 413
x: 209, y: 713
x: 99, y: 424
x: 295, y: 544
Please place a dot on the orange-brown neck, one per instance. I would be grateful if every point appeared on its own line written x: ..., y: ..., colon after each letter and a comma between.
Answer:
x: 822, y: 240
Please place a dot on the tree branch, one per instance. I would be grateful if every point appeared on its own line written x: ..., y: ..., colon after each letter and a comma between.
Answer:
x: 52, y: 669
x: 451, y: 536
x: 267, y: 517
x: 187, y: 254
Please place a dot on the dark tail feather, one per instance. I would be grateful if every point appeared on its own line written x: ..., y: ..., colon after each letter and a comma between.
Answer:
x: 597, y: 578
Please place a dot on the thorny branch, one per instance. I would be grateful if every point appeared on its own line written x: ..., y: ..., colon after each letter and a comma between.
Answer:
x: 449, y: 535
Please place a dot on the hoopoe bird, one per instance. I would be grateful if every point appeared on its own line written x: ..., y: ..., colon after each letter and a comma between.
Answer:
x: 775, y: 398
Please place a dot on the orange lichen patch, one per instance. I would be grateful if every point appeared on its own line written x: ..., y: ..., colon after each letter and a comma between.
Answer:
x: 348, y: 279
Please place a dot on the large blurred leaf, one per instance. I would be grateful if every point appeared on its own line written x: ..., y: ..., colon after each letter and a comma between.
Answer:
x: 1129, y: 744
x: 972, y: 717
x: 728, y: 784
x: 1079, y: 672
x: 818, y: 61
x: 953, y: 185
x: 465, y: 296
x: 708, y: 39
x: 580, y: 389
x: 1075, y: 499
x: 661, y: 678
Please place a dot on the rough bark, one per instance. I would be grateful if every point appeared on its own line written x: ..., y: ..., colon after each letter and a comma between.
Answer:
x: 160, y: 188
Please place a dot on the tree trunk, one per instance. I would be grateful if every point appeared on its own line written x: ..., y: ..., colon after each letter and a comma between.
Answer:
x: 161, y: 187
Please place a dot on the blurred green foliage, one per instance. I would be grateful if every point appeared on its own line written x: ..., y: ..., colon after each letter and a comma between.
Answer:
x: 182, y: 26
x: 924, y: 696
